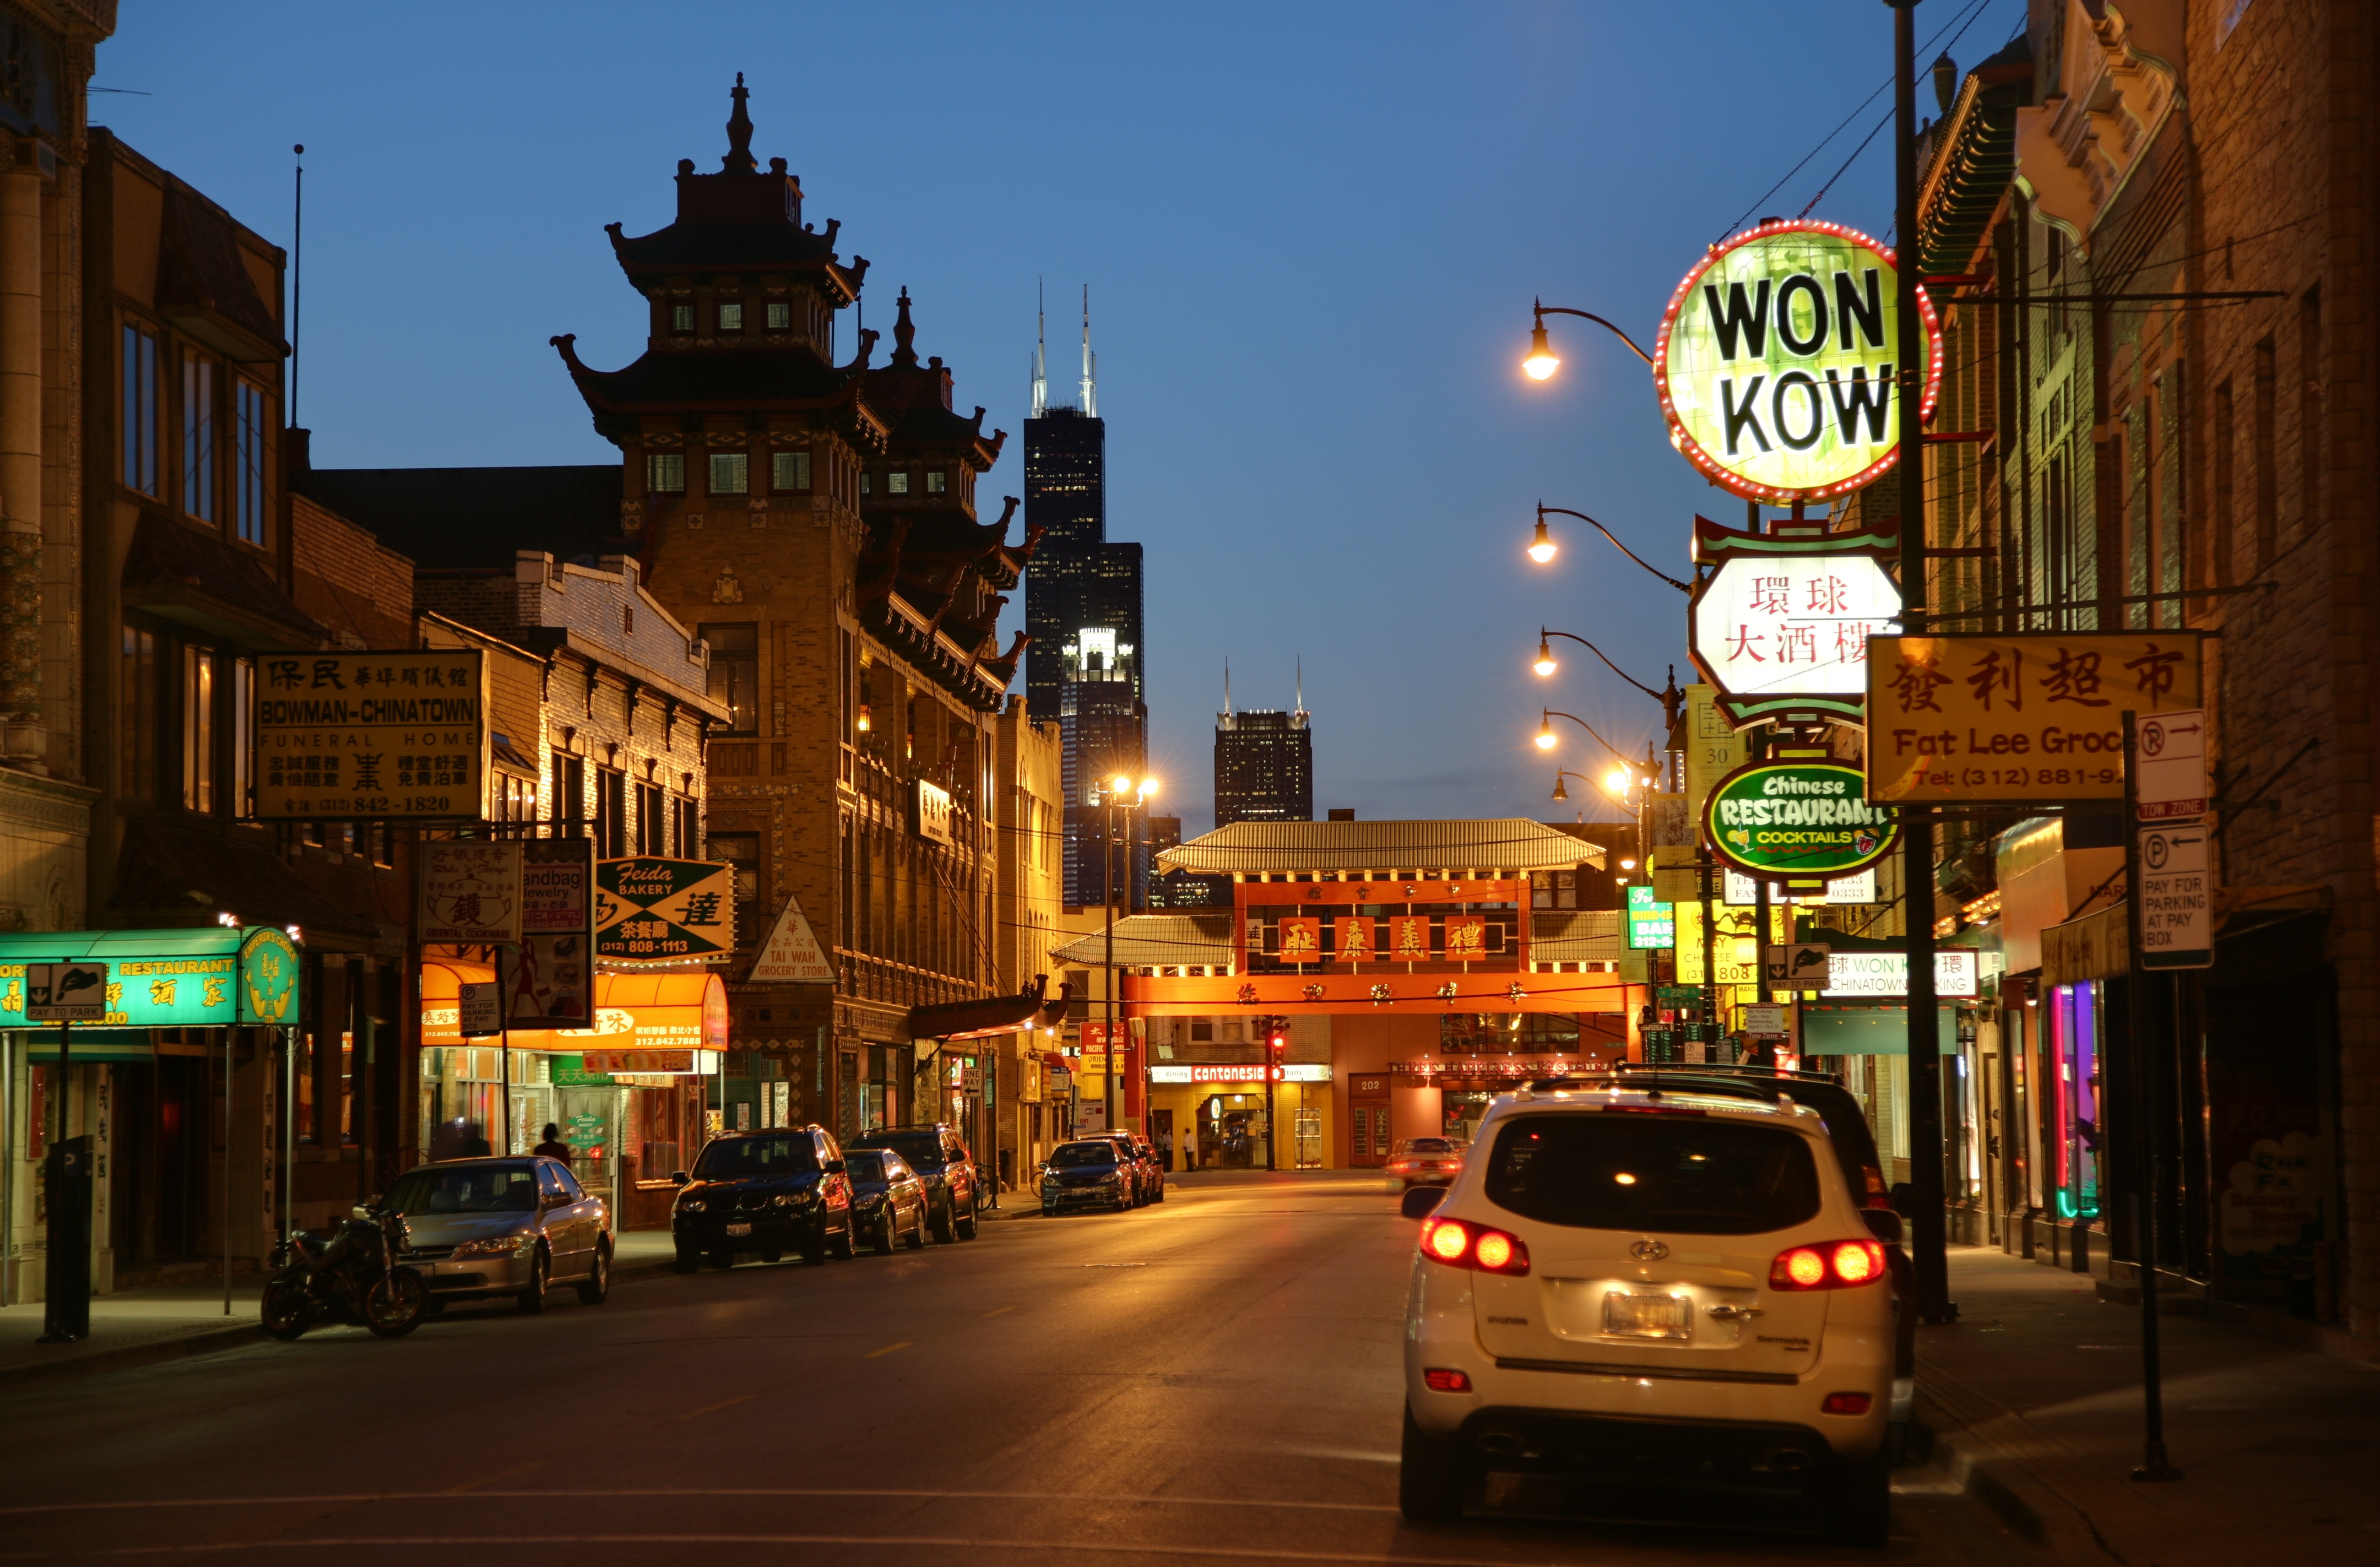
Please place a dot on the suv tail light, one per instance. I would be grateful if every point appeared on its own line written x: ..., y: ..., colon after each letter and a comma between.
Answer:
x: 1459, y: 1245
x: 1827, y: 1265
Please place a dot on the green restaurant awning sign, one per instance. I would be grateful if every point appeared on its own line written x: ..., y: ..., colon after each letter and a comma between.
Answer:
x: 1797, y: 819
x: 651, y: 910
x: 210, y: 978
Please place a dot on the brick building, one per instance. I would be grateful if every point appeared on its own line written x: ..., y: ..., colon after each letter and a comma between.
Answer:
x: 2183, y: 447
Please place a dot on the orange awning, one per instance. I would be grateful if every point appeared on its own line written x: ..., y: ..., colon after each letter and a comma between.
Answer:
x: 676, y: 1010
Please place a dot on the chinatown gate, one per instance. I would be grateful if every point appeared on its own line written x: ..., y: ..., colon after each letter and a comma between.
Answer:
x: 1409, y: 969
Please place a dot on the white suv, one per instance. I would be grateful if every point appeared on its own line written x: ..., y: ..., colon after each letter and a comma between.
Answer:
x: 1634, y: 1290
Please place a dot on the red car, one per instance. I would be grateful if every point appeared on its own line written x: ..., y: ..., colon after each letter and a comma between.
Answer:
x: 1425, y: 1162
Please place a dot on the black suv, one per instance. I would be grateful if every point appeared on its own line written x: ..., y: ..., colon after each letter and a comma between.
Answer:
x: 954, y: 1186
x: 764, y: 1191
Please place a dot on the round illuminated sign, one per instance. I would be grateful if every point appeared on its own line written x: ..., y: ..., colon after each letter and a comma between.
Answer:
x: 1776, y: 362
x: 1797, y: 819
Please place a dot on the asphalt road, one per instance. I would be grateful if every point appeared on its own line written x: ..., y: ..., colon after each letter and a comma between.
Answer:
x: 1210, y: 1381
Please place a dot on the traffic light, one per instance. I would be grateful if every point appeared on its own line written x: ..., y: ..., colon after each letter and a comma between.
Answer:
x: 1276, y: 1046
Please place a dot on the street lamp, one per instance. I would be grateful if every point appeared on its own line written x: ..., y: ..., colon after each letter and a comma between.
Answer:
x: 1121, y: 791
x: 1542, y: 362
x: 1546, y: 734
x: 1546, y: 664
x: 1542, y: 548
x: 1560, y: 773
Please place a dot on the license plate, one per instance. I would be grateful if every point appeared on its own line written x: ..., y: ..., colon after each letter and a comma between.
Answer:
x: 1631, y: 1315
x: 739, y: 1229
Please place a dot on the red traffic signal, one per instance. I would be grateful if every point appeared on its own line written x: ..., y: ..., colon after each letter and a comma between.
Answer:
x: 1277, y: 1037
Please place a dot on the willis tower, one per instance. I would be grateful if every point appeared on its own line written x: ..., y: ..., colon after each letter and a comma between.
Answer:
x: 1082, y: 606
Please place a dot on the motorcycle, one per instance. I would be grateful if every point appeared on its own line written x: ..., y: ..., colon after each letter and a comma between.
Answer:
x: 346, y: 1274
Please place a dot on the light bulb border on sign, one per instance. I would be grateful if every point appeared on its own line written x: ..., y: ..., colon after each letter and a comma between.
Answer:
x: 1712, y: 467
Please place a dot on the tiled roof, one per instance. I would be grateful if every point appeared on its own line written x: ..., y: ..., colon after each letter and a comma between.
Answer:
x: 454, y: 518
x: 1157, y: 940
x: 1583, y: 936
x: 1509, y: 843
x: 739, y: 377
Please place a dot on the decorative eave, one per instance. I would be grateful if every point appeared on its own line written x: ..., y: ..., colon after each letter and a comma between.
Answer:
x: 1031, y: 1008
x: 2077, y: 149
x: 1973, y: 161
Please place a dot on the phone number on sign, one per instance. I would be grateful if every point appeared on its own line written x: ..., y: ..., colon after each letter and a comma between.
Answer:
x: 332, y: 806
x: 2018, y: 777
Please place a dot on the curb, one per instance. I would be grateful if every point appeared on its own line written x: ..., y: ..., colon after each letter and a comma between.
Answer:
x: 212, y: 1340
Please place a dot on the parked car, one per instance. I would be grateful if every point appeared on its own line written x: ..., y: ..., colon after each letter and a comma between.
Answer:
x: 1425, y: 1162
x: 1092, y: 1173
x: 1147, y: 1170
x: 767, y: 1193
x: 953, y: 1186
x: 1650, y: 1289
x: 484, y: 1228
x: 888, y: 1200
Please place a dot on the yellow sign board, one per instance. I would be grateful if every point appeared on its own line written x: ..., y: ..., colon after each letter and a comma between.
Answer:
x: 371, y: 736
x: 1733, y: 929
x: 1713, y: 749
x: 2035, y: 719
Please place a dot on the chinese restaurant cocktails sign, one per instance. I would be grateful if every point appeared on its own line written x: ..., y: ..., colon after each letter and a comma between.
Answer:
x: 1777, y: 365
x: 2029, y: 719
x: 1800, y: 819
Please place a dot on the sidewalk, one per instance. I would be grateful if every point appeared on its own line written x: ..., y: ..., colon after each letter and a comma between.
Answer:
x: 2034, y: 1397
x: 141, y: 1326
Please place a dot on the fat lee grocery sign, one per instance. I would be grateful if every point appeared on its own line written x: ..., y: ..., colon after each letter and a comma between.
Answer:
x: 1776, y: 362
x: 1797, y: 819
x: 352, y: 736
x: 2029, y: 719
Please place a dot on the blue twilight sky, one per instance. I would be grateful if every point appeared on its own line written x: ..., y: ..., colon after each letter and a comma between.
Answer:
x: 1311, y: 235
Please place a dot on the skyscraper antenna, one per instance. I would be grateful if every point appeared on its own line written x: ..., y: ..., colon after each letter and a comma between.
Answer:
x: 1090, y: 362
x: 1040, y: 344
x: 1301, y: 683
x: 1227, y: 687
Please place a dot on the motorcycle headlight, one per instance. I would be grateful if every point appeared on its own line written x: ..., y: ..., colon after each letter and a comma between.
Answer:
x: 497, y: 1246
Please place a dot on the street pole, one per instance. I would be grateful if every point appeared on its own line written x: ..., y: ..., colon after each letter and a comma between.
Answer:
x: 2154, y: 1466
x: 1925, y: 1183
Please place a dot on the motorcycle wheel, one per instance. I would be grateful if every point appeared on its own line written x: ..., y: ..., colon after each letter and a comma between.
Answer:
x: 286, y: 1314
x: 396, y: 1303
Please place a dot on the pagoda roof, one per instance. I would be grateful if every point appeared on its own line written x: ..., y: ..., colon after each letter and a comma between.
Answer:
x: 915, y: 399
x: 1505, y: 844
x: 726, y: 378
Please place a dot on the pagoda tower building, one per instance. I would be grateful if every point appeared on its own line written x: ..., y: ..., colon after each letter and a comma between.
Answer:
x: 814, y: 518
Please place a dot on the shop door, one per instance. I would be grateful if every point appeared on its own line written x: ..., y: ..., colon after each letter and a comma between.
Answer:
x: 1367, y: 1122
x: 1160, y: 1132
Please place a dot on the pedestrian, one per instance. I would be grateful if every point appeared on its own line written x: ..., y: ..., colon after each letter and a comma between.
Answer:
x: 554, y: 1147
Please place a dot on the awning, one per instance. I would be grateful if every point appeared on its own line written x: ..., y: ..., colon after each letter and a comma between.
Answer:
x: 1854, y: 1029
x: 677, y: 1010
x: 990, y: 1014
x: 2097, y: 946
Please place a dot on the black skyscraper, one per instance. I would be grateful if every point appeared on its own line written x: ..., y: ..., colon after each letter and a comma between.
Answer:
x: 1264, y: 763
x: 1083, y: 608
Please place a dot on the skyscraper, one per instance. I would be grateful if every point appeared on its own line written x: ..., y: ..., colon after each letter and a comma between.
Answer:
x: 1263, y: 763
x: 1083, y: 609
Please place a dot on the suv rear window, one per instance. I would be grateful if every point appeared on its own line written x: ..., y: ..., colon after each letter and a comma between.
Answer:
x: 1654, y: 1174
x: 735, y: 1159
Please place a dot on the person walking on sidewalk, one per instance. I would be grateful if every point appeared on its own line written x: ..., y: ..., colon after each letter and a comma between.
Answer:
x: 554, y: 1147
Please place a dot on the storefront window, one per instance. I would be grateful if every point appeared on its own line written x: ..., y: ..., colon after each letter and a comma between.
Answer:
x: 1508, y: 1033
x: 2074, y: 1043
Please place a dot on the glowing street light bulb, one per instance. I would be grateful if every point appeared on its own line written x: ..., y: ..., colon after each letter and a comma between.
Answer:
x: 1541, y: 362
x: 1541, y: 548
x: 1618, y: 781
x: 1120, y: 785
x: 1545, y: 734
x: 1545, y: 665
x: 1148, y: 787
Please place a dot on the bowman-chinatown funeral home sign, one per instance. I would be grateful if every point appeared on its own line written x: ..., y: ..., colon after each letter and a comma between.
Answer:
x: 2030, y: 720
x: 1797, y: 819
x: 1780, y: 628
x: 370, y: 736
x: 648, y: 909
x: 1775, y: 365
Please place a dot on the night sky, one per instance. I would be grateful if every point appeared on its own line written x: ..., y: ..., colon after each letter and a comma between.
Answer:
x: 1311, y: 236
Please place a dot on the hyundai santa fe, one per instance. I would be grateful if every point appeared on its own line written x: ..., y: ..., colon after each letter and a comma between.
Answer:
x: 1639, y: 1291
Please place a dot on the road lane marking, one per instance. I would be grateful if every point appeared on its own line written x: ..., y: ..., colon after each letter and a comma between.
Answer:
x: 1002, y: 1311
x: 715, y: 1408
x: 672, y: 1492
x: 888, y: 1349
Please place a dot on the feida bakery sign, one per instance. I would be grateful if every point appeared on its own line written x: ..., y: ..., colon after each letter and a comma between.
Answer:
x: 1797, y: 819
x: 1777, y: 362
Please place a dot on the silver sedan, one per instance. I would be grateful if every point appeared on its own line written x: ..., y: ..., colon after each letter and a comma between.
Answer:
x: 484, y: 1228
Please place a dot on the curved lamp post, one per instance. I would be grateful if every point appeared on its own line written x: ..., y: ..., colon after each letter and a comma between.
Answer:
x: 1546, y: 736
x: 1542, y: 547
x: 1545, y: 663
x: 1542, y: 362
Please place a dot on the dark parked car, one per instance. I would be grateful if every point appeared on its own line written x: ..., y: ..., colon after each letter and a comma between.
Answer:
x: 954, y: 1186
x: 1094, y: 1173
x: 888, y: 1198
x: 764, y: 1191
x: 1147, y: 1170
